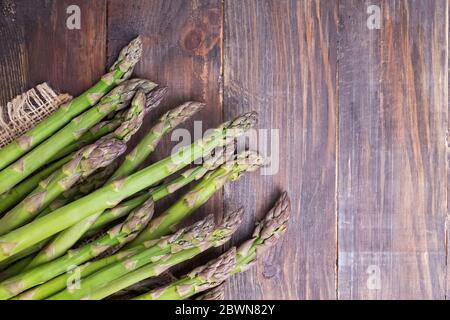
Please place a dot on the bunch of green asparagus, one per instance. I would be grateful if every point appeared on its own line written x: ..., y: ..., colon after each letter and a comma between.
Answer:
x: 76, y: 218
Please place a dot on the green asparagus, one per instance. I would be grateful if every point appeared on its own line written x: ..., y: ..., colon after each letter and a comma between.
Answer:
x: 157, y: 193
x: 145, y: 264
x: 210, y: 163
x: 246, y: 161
x: 97, y: 180
x: 114, y: 238
x: 215, y: 272
x: 117, y: 99
x: 154, y: 98
x: 217, y: 293
x: 60, y: 282
x: 153, y: 248
x: 9, y: 199
x: 88, y: 159
x: 67, y: 238
x: 114, y: 192
x: 119, y: 71
x: 148, y: 143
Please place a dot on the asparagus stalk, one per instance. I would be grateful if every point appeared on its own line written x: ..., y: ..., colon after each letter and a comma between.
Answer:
x: 9, y: 267
x: 220, y: 156
x: 120, y: 70
x: 167, y: 122
x: 157, y: 193
x: 153, y: 248
x: 84, y: 187
x: 16, y: 267
x: 67, y: 238
x: 114, y: 238
x: 144, y: 148
x: 165, y: 223
x: 93, y: 134
x: 217, y: 293
x: 9, y: 199
x: 215, y: 272
x: 117, y: 99
x: 114, y: 192
x: 144, y: 265
x: 98, y: 179
x: 86, y: 161
x: 154, y: 98
x: 61, y: 282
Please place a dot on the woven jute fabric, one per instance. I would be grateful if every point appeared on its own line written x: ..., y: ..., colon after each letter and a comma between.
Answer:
x: 28, y: 109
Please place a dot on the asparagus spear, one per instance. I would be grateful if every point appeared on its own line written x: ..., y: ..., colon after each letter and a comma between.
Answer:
x: 154, y: 98
x: 119, y: 71
x: 60, y: 282
x: 245, y: 162
x: 140, y: 266
x: 87, y: 160
x: 167, y: 122
x: 9, y: 267
x: 96, y: 132
x: 157, y: 193
x: 217, y: 293
x: 18, y: 193
x: 114, y: 192
x: 144, y: 148
x: 220, y: 156
x: 67, y: 238
x: 117, y: 99
x: 153, y: 249
x: 114, y: 238
x: 233, y: 261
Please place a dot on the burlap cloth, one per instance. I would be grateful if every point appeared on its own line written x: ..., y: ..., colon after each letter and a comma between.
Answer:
x: 28, y: 109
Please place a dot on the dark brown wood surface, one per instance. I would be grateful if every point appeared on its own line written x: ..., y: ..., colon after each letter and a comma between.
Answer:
x: 393, y: 106
x: 361, y: 117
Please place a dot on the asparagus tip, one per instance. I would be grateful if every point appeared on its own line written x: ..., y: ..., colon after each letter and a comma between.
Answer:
x: 135, y: 221
x: 99, y: 154
x: 218, y: 270
x: 217, y: 293
x: 220, y: 156
x: 228, y: 226
x: 275, y: 222
x: 129, y: 55
x: 155, y: 97
x: 246, y: 120
x: 192, y: 235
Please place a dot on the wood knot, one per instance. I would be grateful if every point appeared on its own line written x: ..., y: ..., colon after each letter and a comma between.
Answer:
x: 193, y: 39
x: 270, y: 271
x: 199, y: 39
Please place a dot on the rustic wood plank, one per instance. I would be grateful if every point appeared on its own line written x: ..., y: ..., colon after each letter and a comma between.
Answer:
x: 393, y: 110
x: 182, y: 46
x: 280, y: 60
x: 12, y: 63
x: 447, y: 98
x: 38, y: 46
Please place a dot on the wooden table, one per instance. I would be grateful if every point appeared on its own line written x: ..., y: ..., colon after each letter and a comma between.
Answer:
x: 362, y: 115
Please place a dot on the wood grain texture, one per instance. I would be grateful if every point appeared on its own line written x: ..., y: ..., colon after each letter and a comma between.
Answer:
x: 362, y: 118
x: 280, y: 60
x: 182, y: 46
x: 447, y: 98
x: 13, y: 59
x: 392, y: 153
x: 39, y: 46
